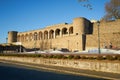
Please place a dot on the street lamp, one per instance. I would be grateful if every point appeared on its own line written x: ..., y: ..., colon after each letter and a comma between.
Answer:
x: 6, y: 44
x: 98, y: 24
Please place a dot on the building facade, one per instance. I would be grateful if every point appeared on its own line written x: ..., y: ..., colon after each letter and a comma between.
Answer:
x: 81, y: 34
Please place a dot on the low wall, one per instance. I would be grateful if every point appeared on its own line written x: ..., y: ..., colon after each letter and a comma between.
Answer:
x: 105, y: 66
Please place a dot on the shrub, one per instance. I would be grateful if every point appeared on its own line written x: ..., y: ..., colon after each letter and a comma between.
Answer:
x: 50, y: 56
x: 64, y: 57
x: 99, y: 57
x: 70, y: 57
x: 76, y: 57
x: 91, y: 58
x: 60, y: 56
x: 83, y: 57
x: 35, y: 55
x: 54, y: 56
x: 110, y: 57
x: 44, y: 56
x: 117, y: 57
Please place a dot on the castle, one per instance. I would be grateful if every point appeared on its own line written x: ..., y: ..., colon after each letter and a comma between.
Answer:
x: 82, y: 34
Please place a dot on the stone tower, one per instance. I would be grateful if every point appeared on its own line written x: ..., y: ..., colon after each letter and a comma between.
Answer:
x: 81, y: 27
x: 12, y: 36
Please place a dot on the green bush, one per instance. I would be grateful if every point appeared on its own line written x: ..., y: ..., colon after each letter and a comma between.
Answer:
x: 46, y: 56
x: 110, y: 57
x: 70, y: 56
x: 54, y: 56
x: 60, y: 56
x: 99, y: 57
x: 91, y: 58
x: 50, y: 56
x: 83, y: 57
x: 76, y: 57
x: 117, y: 57
x: 65, y: 57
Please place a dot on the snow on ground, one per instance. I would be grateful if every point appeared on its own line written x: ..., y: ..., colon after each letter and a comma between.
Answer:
x: 31, y: 52
x: 106, y: 51
x: 56, y: 51
x: 91, y: 51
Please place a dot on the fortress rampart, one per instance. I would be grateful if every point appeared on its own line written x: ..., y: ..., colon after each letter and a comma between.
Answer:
x: 109, y: 34
x: 12, y: 36
x: 80, y: 35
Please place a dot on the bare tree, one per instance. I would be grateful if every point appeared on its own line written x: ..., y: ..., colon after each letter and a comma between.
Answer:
x: 112, y: 9
x: 86, y: 4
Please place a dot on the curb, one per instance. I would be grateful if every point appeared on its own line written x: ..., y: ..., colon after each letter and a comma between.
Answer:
x: 56, y: 70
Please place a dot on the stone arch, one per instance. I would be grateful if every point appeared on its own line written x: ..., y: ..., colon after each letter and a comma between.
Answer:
x: 64, y: 31
x: 30, y: 37
x: 22, y: 38
x: 51, y: 34
x: 18, y: 38
x: 57, y: 32
x: 40, y: 35
x: 71, y: 30
x: 26, y: 37
x: 45, y: 34
x: 35, y: 35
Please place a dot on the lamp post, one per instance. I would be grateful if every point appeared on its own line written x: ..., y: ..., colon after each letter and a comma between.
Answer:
x: 98, y: 24
x: 6, y: 44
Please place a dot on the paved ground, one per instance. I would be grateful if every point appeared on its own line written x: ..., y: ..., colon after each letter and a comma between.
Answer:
x: 16, y: 72
x: 72, y: 71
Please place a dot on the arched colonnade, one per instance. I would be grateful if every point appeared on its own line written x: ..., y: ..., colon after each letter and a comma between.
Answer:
x: 44, y: 35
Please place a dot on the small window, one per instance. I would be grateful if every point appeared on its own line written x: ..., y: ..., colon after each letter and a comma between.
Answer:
x: 76, y: 33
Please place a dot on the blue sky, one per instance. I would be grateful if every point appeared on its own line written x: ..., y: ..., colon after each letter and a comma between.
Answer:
x: 25, y: 15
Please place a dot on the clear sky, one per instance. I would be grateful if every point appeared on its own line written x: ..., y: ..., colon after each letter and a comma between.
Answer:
x: 25, y: 15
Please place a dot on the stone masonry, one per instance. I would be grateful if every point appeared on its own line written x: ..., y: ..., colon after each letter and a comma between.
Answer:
x: 79, y: 35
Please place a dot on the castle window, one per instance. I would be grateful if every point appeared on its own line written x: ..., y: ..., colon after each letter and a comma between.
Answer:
x: 64, y: 31
x: 71, y: 30
x: 35, y: 36
x: 57, y: 32
x: 40, y: 36
x: 51, y: 34
x: 30, y: 37
x: 26, y: 37
x: 76, y: 33
x: 46, y: 35
x: 22, y: 38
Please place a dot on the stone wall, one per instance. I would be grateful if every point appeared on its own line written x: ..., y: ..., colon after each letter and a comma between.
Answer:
x: 109, y: 33
x: 70, y: 42
x: 70, y: 36
x: 105, y: 66
x: 107, y: 27
x: 105, y: 39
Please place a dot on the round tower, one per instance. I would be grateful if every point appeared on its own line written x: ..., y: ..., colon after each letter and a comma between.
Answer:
x: 79, y: 25
x: 12, y: 36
